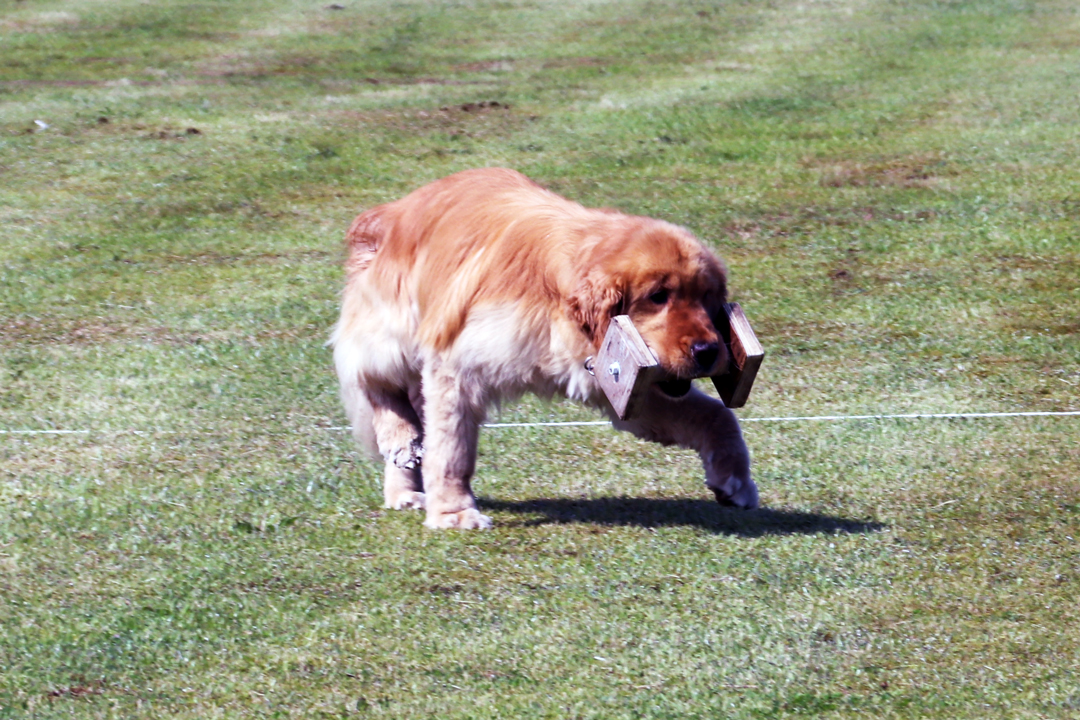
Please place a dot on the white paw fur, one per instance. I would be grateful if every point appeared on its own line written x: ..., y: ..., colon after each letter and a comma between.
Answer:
x: 470, y: 519
x: 408, y: 500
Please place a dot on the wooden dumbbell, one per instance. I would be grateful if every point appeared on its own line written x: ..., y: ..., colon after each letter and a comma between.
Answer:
x: 626, y: 367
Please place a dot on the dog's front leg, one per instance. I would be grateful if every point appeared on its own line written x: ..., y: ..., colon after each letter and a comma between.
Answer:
x: 451, y: 427
x: 700, y: 422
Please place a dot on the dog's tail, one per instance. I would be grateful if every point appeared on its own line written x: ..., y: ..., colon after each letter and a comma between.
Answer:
x: 363, y: 240
x: 357, y: 407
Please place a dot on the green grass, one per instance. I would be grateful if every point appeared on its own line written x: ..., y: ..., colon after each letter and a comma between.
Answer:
x: 894, y: 185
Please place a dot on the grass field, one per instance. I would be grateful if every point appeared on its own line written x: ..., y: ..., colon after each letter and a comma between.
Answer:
x: 895, y: 185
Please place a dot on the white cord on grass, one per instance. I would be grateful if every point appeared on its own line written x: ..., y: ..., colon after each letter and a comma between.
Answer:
x: 918, y: 416
x: 585, y: 423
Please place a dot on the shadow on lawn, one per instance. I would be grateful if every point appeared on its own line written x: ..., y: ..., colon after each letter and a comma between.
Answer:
x: 660, y: 512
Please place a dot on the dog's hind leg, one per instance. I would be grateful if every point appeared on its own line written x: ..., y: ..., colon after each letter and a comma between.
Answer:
x: 451, y: 429
x: 398, y: 434
x: 402, y: 488
x: 702, y: 423
x: 383, y: 423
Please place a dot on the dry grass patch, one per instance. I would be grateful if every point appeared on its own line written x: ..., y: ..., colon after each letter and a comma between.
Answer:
x: 923, y: 172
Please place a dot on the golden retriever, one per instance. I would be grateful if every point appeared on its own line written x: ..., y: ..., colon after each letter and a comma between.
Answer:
x: 484, y: 285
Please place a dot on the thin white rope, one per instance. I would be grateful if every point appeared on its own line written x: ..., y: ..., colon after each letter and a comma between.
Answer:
x: 569, y: 423
x: 586, y: 423
x: 916, y: 416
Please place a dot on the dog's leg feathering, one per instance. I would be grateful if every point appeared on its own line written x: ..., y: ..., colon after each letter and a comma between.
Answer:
x: 451, y: 429
x: 700, y: 422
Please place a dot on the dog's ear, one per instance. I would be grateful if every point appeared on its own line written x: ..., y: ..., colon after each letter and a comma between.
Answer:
x: 596, y: 300
x: 715, y: 307
x: 717, y: 294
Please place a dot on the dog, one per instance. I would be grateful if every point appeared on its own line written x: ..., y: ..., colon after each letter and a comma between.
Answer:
x: 482, y: 286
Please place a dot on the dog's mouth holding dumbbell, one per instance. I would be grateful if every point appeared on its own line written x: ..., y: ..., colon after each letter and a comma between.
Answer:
x: 687, y: 344
x: 702, y: 352
x: 483, y: 285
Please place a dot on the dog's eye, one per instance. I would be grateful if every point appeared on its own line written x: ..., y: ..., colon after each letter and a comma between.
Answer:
x: 659, y: 297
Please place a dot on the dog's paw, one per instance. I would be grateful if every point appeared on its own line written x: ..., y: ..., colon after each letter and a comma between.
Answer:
x: 733, y: 491
x: 470, y: 519
x: 406, y: 500
x: 407, y: 457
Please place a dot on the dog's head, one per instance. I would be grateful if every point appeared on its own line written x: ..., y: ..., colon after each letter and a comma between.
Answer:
x: 669, y: 284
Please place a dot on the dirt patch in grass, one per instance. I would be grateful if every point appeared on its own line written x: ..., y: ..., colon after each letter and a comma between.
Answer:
x: 1044, y: 327
x: 76, y: 691
x: 318, y: 67
x: 485, y: 66
x: 577, y: 62
x: 470, y: 119
x: 170, y: 133
x: 916, y: 171
x: 62, y: 83
x: 1066, y: 265
x: 814, y: 217
x: 43, y: 22
x: 228, y: 66
x: 214, y: 258
x: 33, y: 331
x: 15, y: 334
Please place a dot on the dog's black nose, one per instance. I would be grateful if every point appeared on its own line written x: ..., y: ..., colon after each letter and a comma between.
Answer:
x: 705, y: 354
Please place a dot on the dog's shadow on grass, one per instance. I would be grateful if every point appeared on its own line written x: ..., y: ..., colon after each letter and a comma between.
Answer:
x: 664, y: 512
